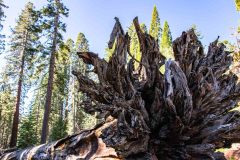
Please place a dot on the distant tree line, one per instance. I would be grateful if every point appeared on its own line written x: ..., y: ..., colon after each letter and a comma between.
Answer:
x: 40, y: 61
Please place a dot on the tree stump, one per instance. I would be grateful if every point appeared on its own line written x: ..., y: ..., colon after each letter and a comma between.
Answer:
x: 185, y: 113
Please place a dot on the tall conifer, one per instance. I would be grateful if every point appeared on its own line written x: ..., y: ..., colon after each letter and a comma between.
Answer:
x: 23, y: 47
x: 155, y: 27
x: 166, y: 41
x: 2, y: 17
x: 53, y: 26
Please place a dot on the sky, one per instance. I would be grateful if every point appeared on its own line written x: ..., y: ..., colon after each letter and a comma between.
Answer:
x: 95, y: 18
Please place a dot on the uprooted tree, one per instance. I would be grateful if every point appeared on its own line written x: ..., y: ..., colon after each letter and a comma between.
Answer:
x: 185, y: 113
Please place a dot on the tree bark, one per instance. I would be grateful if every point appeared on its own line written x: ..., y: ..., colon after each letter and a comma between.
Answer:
x: 47, y: 107
x: 185, y: 113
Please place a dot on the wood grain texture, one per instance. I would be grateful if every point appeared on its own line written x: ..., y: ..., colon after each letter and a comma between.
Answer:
x: 185, y: 113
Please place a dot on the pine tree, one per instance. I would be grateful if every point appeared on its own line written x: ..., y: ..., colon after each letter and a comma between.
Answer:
x: 6, y: 108
x: 82, y: 43
x: 155, y: 27
x: 78, y: 119
x: 24, y: 46
x: 60, y: 98
x: 134, y: 45
x: 81, y: 120
x: 59, y: 129
x: 237, y: 3
x: 109, y: 52
x: 166, y: 42
x: 143, y: 27
x: 197, y: 32
x: 52, y: 14
x: 2, y: 17
x: 58, y: 121
x: 166, y: 36
x: 27, y: 132
x: 37, y: 103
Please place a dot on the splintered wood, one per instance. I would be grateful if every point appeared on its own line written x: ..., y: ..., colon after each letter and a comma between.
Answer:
x: 185, y: 113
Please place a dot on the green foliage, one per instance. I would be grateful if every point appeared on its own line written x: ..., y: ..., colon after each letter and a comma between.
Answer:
x: 65, y: 96
x: 7, y: 103
x: 134, y: 44
x: 234, y: 48
x: 166, y: 42
x: 155, y: 27
x: 60, y: 93
x: 197, y: 32
x: 80, y: 46
x: 229, y: 46
x: 59, y: 129
x: 26, y: 30
x: 109, y: 52
x: 84, y: 120
x: 23, y: 48
x: 25, y: 45
x: 27, y: 132
x: 53, y: 26
x: 37, y: 104
x: 166, y: 36
x: 49, y: 12
x: 81, y: 119
x: 82, y: 43
x: 2, y: 17
x: 25, y: 38
x: 237, y: 4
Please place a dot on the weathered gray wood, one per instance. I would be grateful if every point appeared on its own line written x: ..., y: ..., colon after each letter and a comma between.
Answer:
x: 184, y: 113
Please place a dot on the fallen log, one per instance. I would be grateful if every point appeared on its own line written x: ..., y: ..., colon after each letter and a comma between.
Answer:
x: 185, y: 113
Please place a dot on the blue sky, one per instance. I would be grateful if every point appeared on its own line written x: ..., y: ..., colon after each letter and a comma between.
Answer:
x: 95, y: 18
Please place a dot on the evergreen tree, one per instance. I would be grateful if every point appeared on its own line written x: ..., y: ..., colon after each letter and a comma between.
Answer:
x: 109, y: 52
x: 235, y: 48
x: 166, y: 36
x: 6, y: 108
x: 27, y: 132
x: 197, y: 32
x: 134, y: 44
x: 53, y: 27
x: 143, y: 27
x: 82, y: 43
x: 155, y: 27
x: 58, y: 121
x: 24, y: 46
x: 166, y: 42
x: 2, y: 17
x: 59, y: 118
x: 37, y: 103
x: 237, y: 3
x: 59, y: 129
x: 81, y: 119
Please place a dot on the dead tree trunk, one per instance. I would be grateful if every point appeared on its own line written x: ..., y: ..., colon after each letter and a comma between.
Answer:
x: 185, y: 113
